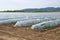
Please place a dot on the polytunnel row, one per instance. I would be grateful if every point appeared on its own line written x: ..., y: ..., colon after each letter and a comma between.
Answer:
x: 46, y: 24
x: 34, y: 23
x: 38, y: 24
x: 31, y: 22
x: 22, y: 20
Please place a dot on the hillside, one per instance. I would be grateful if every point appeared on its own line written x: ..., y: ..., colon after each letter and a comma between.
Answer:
x: 47, y: 9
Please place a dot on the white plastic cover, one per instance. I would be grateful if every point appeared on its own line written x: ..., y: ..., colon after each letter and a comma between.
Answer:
x: 8, y: 21
x: 46, y: 24
x: 27, y: 22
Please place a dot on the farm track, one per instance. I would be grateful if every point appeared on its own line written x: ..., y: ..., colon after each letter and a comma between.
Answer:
x: 8, y: 32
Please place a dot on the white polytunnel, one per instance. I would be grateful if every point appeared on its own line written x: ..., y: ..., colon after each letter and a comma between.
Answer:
x: 27, y: 22
x: 8, y: 21
x: 46, y: 24
x: 31, y: 22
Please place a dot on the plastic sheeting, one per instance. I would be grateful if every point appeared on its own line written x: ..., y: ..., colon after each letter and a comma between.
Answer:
x: 8, y: 21
x: 23, y: 21
x: 31, y: 22
x: 45, y: 25
x: 27, y: 22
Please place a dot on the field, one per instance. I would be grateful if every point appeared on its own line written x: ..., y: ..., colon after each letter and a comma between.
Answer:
x: 8, y: 32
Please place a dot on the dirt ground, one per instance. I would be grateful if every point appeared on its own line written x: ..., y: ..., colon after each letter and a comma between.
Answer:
x: 8, y: 32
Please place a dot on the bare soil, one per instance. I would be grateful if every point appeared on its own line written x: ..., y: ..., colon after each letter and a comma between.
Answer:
x: 8, y: 32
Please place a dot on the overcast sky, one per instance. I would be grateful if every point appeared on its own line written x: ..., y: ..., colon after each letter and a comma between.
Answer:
x: 22, y: 4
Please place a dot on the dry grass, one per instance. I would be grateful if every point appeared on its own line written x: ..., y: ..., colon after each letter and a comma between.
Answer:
x: 8, y: 32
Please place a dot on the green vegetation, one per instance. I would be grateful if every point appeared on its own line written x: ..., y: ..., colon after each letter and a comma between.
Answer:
x: 48, y: 9
x: 33, y: 11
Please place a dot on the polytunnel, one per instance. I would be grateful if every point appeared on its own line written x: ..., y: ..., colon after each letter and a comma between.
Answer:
x: 46, y: 24
x: 27, y: 22
x: 8, y: 21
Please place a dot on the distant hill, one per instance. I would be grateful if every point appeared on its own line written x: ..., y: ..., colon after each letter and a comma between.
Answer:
x: 43, y: 9
x: 47, y: 9
x: 50, y: 8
